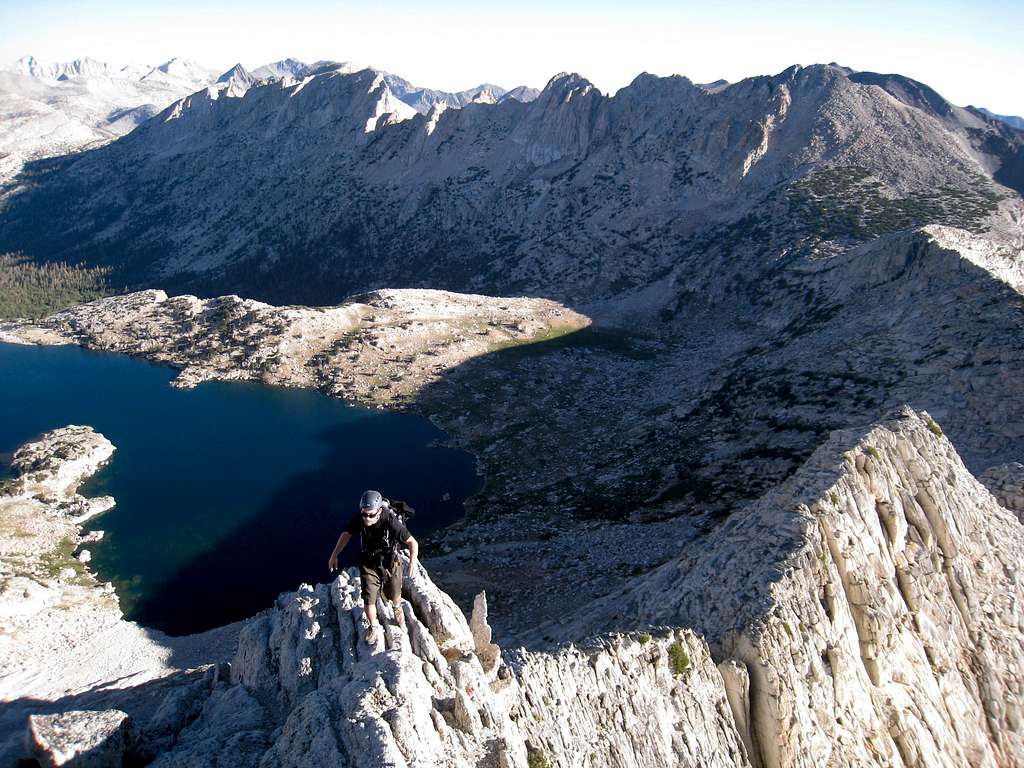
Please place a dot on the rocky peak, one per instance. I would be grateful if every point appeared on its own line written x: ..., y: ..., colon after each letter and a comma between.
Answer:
x: 563, y: 119
x: 237, y: 74
x: 564, y: 86
x: 649, y: 99
x: 277, y: 69
x: 353, y: 104
x: 485, y: 93
x: 858, y: 591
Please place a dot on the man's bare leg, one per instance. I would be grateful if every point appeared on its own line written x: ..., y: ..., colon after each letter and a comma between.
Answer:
x: 371, y: 619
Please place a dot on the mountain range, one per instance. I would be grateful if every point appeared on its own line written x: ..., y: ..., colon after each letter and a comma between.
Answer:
x: 56, y: 108
x: 307, y: 190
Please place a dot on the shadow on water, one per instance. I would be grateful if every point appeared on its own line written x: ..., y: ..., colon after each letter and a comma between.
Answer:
x: 227, y: 494
x: 289, y: 539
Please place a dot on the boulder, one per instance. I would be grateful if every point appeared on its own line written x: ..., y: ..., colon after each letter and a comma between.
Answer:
x: 81, y: 739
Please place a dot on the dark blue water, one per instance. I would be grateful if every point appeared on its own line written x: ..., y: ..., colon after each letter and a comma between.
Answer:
x: 227, y: 494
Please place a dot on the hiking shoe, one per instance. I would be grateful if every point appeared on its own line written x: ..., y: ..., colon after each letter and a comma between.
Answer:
x: 399, y: 616
x: 371, y: 634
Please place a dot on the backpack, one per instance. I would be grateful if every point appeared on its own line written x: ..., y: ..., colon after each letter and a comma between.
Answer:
x: 385, y: 560
x: 404, y: 511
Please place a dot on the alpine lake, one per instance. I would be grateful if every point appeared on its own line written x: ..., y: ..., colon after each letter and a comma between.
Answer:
x: 227, y: 494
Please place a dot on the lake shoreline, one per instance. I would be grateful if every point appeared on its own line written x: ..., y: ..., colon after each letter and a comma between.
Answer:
x: 62, y: 628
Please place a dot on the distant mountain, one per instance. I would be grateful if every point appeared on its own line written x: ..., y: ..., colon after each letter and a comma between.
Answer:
x: 132, y: 71
x: 1016, y: 122
x: 84, y: 67
x: 325, y: 65
x: 182, y: 73
x: 521, y: 93
x: 86, y: 101
x: 278, y: 69
x: 424, y: 99
x: 308, y: 191
x: 238, y: 79
x: 420, y: 98
x: 236, y: 73
x: 55, y: 108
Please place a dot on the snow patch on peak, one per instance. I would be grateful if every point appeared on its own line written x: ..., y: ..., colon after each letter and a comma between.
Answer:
x: 296, y: 85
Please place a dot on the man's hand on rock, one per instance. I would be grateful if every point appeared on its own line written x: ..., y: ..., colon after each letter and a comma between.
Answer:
x: 332, y: 564
x: 413, y: 569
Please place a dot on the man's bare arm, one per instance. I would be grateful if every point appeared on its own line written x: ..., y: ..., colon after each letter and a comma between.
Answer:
x: 343, y: 541
x: 414, y: 552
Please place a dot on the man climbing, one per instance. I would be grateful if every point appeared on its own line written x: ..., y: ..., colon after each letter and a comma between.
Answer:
x: 380, y: 533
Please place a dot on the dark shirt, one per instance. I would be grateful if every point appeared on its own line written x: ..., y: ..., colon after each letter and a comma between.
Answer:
x: 377, y: 542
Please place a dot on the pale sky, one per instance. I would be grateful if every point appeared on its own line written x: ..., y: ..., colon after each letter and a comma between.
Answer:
x: 970, y: 52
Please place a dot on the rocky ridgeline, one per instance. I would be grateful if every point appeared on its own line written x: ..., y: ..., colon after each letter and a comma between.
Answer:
x: 304, y: 688
x: 866, y: 612
x: 377, y: 348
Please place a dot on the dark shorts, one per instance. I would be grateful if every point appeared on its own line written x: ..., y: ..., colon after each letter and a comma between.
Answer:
x: 371, y: 584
